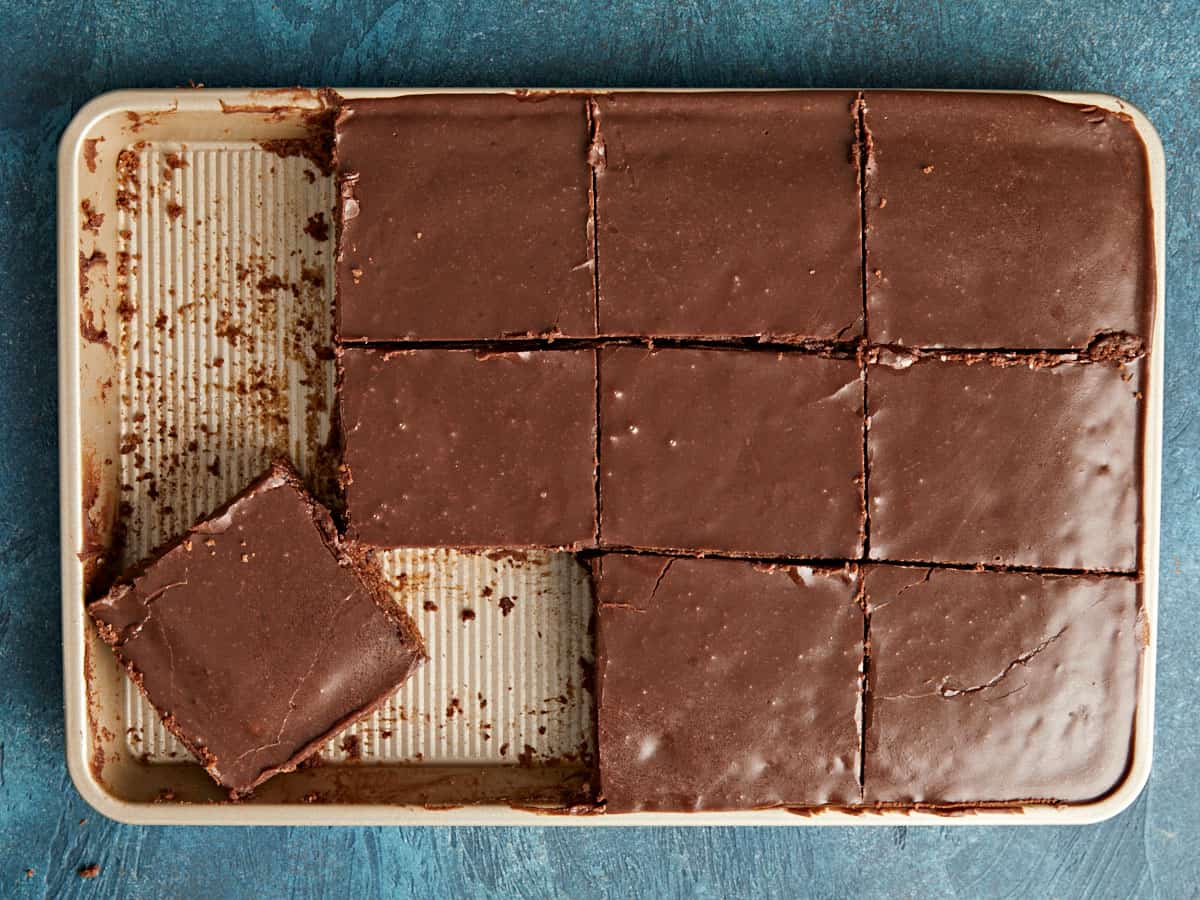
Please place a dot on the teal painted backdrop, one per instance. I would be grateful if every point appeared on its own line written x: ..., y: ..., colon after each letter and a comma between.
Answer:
x: 55, y: 55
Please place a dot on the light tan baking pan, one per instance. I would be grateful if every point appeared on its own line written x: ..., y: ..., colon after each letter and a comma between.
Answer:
x: 195, y: 294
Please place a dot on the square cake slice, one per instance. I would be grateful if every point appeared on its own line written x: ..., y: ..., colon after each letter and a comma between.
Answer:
x: 731, y: 451
x: 725, y: 684
x: 464, y: 217
x: 1006, y: 462
x: 999, y: 686
x: 729, y: 214
x: 1005, y: 221
x: 470, y: 449
x: 257, y: 636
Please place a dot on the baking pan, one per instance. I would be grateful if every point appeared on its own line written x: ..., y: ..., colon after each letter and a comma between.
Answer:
x: 195, y: 296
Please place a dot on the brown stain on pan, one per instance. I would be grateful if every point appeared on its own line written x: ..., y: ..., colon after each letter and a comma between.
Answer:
x: 89, y: 330
x: 138, y: 121
x: 91, y: 150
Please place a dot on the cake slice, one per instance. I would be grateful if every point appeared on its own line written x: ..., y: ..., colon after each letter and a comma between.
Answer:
x: 726, y: 684
x: 257, y: 635
x: 1002, y: 687
x: 464, y: 217
x: 469, y: 448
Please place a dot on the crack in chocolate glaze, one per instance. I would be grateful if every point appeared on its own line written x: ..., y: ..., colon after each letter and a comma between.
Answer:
x: 1023, y: 659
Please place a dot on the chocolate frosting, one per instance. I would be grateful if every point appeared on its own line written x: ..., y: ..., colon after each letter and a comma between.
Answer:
x: 465, y: 216
x: 256, y: 636
x: 470, y: 449
x: 1002, y: 220
x: 726, y: 685
x: 1006, y: 465
x: 726, y: 214
x: 734, y: 451
x: 999, y: 686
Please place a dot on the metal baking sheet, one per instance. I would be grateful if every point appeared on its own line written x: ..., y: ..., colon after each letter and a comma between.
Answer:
x: 195, y: 277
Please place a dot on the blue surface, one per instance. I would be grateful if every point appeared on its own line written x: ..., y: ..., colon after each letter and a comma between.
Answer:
x: 56, y: 55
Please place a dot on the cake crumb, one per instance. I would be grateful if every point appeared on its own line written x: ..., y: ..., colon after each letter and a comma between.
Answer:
x: 352, y: 746
x: 926, y: 170
x: 317, y: 228
x: 89, y: 871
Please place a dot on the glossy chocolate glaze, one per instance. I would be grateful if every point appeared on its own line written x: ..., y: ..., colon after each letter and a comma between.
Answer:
x: 256, y: 636
x: 733, y: 451
x: 726, y: 214
x: 1006, y: 464
x: 1002, y: 220
x: 470, y: 449
x: 999, y: 686
x: 726, y: 685
x: 465, y: 216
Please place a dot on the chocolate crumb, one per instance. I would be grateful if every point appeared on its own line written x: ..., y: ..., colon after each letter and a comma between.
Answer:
x: 352, y: 746
x: 1114, y: 347
x: 89, y: 871
x: 317, y: 149
x: 312, y: 275
x: 504, y: 749
x: 467, y: 615
x: 90, y: 152
x: 429, y: 606
x: 455, y: 706
x: 92, y: 220
x: 525, y: 757
x: 506, y: 605
x: 317, y: 228
x: 269, y: 283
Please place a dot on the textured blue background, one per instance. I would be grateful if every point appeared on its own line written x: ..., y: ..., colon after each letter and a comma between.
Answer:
x: 56, y: 55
